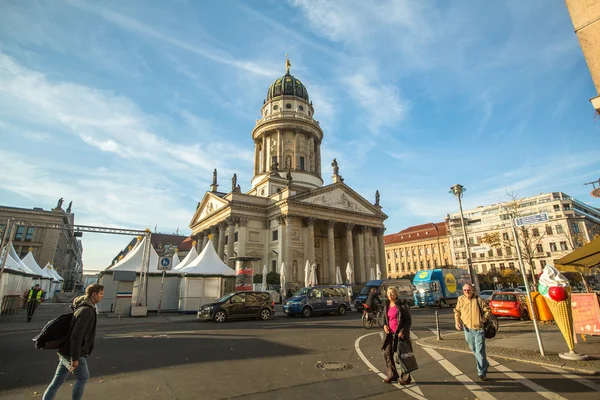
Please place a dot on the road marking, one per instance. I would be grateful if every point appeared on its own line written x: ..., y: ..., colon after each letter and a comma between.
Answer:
x: 477, y: 390
x: 411, y: 389
x: 576, y: 378
x: 542, y: 391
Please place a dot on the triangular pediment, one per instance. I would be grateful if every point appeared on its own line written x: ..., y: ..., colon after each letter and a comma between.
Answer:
x: 210, y: 204
x: 340, y: 197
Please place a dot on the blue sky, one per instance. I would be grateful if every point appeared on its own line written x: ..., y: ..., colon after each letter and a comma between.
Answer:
x: 126, y: 107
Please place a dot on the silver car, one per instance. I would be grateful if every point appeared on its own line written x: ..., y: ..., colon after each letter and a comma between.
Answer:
x: 486, y: 294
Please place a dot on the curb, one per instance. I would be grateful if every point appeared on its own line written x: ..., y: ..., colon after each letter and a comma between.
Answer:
x: 544, y: 364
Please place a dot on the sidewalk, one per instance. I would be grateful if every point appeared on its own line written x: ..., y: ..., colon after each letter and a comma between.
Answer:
x: 518, y: 342
x: 47, y: 312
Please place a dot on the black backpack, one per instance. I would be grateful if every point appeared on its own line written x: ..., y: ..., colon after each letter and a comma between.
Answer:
x: 55, y: 332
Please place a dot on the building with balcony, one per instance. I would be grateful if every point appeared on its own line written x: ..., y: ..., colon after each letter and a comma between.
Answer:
x: 570, y: 224
x: 58, y: 246
x: 417, y: 247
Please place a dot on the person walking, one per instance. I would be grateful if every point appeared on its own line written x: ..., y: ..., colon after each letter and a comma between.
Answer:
x: 396, y: 327
x: 73, y: 353
x: 34, y: 297
x: 468, y: 316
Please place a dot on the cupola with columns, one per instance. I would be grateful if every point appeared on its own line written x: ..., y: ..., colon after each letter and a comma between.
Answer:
x: 287, y: 139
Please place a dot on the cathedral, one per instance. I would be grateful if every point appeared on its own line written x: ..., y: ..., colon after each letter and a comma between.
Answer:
x: 289, y: 216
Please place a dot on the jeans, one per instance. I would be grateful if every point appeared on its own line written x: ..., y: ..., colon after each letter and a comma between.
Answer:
x: 476, y: 340
x: 62, y: 372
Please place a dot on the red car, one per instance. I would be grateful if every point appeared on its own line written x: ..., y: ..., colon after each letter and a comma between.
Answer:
x: 506, y: 304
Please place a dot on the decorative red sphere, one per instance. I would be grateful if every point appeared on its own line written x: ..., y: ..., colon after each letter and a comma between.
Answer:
x: 558, y: 293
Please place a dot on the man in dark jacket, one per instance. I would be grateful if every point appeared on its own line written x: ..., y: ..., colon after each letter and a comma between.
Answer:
x: 373, y: 300
x: 73, y: 353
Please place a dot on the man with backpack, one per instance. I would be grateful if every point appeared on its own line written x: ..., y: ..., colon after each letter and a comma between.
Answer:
x: 73, y: 352
x: 470, y: 314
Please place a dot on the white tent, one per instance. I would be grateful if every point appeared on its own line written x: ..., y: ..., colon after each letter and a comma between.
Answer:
x: 191, y: 256
x: 203, y: 280
x: 15, y: 281
x: 119, y: 295
x: 175, y: 261
x: 24, y: 268
x: 46, y: 278
x: 58, y: 280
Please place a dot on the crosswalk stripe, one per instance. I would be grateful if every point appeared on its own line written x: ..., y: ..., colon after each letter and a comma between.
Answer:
x: 459, y: 376
x: 542, y: 391
x: 411, y: 389
x: 574, y: 377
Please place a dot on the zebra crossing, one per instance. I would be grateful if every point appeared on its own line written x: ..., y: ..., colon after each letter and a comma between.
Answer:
x: 452, y: 375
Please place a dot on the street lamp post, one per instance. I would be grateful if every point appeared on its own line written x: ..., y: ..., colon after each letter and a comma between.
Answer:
x: 458, y: 190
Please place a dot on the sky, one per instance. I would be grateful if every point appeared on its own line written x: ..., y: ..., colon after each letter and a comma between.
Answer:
x: 125, y: 108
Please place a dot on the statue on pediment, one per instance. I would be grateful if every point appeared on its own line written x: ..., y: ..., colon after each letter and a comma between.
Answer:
x: 377, y: 197
x: 60, y: 203
x: 336, y: 168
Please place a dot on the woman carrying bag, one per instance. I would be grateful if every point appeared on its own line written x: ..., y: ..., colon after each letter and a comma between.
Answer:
x: 396, y: 327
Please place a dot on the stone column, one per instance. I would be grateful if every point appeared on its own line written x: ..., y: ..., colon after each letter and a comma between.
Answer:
x: 318, y: 159
x: 280, y: 242
x: 214, y: 232
x: 280, y: 147
x: 367, y: 254
x: 381, y: 245
x: 199, y: 239
x: 264, y: 154
x: 310, y: 223
x: 350, y: 250
x: 242, y: 237
x: 221, y: 248
x: 288, y: 245
x: 205, y: 234
x: 230, y: 240
x: 331, y: 251
x: 376, y: 249
x: 361, y: 255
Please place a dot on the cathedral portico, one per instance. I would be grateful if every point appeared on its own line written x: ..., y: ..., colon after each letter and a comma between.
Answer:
x: 288, y: 216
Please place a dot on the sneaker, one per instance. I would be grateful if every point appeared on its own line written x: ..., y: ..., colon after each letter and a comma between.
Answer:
x: 483, y: 378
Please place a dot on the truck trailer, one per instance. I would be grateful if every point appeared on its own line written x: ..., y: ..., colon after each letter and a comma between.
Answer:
x: 439, y: 287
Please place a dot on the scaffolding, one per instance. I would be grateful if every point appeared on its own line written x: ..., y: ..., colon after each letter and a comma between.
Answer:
x: 77, y: 230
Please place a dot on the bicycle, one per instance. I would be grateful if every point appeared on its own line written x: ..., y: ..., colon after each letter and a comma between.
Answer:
x: 369, y: 318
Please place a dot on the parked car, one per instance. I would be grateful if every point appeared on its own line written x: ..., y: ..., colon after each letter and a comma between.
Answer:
x: 509, y: 304
x: 318, y: 300
x: 486, y: 294
x: 239, y: 305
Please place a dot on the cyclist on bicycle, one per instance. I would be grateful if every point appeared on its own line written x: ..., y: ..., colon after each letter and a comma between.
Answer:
x: 373, y: 300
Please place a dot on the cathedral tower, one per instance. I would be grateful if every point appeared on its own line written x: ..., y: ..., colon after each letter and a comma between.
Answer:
x: 287, y: 138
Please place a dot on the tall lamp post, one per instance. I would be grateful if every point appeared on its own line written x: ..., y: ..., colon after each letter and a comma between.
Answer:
x: 458, y: 190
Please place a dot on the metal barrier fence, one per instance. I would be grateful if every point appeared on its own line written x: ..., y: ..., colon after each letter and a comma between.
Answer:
x: 122, y: 306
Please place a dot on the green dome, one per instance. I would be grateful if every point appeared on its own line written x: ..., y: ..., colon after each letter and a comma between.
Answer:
x: 287, y: 85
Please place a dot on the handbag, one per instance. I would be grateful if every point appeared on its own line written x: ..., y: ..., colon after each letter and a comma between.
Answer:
x: 405, y: 357
x: 489, y: 329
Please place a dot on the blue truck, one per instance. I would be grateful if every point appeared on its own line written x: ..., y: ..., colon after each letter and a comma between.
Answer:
x: 439, y: 287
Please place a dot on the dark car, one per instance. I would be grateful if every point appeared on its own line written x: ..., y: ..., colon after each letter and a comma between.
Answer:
x: 318, y: 300
x: 238, y: 305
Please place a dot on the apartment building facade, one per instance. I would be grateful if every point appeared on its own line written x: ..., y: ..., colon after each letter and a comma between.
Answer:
x: 415, y: 248
x: 57, y: 246
x: 571, y: 224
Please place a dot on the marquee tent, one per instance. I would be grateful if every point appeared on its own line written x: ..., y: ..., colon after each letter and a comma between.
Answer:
x: 204, y: 280
x: 58, y: 280
x: 14, y: 282
x: 46, y: 279
x: 191, y: 256
x: 119, y: 295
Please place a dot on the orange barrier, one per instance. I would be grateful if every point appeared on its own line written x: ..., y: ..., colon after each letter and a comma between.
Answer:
x: 542, y: 311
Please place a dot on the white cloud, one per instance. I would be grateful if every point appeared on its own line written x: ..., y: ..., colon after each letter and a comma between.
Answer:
x: 104, y: 120
x: 382, y: 102
x: 140, y: 28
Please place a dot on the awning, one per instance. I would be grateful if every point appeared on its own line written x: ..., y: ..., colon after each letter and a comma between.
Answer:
x: 582, y: 259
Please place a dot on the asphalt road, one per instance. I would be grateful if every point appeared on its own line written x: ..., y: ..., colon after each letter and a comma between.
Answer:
x: 271, y: 360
